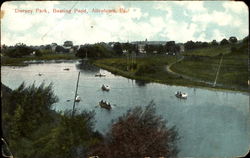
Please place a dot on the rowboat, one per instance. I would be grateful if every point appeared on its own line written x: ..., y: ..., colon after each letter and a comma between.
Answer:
x: 105, y: 87
x: 181, y: 95
x: 104, y: 104
x: 78, y: 99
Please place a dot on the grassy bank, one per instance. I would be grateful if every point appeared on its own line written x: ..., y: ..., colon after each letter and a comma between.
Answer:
x: 233, y: 71
x: 8, y: 61
x: 209, y: 51
x: 151, y: 69
x: 201, y: 64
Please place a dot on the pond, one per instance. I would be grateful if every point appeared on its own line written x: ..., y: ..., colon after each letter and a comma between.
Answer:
x: 210, y: 123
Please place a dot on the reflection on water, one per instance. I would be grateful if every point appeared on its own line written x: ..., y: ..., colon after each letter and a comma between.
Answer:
x: 141, y: 83
x: 210, y: 123
x: 87, y: 67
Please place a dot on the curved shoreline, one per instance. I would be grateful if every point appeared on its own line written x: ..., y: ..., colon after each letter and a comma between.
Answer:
x: 148, y: 79
x: 116, y: 71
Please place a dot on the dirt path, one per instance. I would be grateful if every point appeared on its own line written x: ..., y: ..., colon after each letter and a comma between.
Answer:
x: 168, y: 69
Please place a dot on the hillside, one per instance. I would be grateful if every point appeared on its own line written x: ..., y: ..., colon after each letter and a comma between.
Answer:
x: 204, y: 63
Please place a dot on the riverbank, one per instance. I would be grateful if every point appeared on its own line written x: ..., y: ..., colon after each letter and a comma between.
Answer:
x: 229, y: 67
x: 153, y: 69
x: 8, y: 61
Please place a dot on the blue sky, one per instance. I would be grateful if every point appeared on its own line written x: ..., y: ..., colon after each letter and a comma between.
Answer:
x: 155, y: 20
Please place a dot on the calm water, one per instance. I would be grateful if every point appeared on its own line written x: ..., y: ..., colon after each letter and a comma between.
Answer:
x: 210, y: 123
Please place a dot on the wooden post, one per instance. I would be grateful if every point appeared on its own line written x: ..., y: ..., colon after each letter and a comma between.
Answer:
x: 73, y: 110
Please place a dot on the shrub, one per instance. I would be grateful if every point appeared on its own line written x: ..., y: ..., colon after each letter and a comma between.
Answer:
x: 139, y: 133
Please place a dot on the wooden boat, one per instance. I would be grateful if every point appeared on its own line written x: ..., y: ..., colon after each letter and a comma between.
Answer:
x: 181, y: 95
x: 67, y: 69
x: 104, y: 104
x: 105, y: 87
x: 100, y: 75
x: 78, y: 99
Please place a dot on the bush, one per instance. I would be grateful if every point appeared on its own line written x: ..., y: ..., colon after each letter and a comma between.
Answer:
x: 139, y: 133
x: 19, y: 50
x: 71, y: 138
x: 144, y: 69
x: 33, y: 129
x: 38, y: 53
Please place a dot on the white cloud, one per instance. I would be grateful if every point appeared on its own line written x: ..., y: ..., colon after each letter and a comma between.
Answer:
x: 91, y: 28
x: 236, y: 7
x: 181, y: 32
x: 163, y: 7
x: 217, y: 35
x: 194, y: 7
x: 219, y: 18
x: 134, y: 13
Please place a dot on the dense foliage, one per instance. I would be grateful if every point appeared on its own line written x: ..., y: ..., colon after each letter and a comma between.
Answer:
x: 224, y: 42
x: 19, y: 50
x: 72, y: 137
x: 33, y: 129
x: 139, y: 133
x: 98, y: 50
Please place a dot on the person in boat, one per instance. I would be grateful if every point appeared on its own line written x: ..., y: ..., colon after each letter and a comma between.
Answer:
x: 179, y: 93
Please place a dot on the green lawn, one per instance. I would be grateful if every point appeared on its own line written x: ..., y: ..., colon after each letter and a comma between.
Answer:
x: 211, y: 51
x: 200, y: 64
x: 148, y: 69
x: 233, y: 72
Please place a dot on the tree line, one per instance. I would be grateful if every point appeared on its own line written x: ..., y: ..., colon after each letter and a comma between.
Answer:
x: 102, y: 50
x: 198, y: 44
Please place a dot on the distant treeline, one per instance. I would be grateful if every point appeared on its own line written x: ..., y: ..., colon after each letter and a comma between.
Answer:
x: 102, y: 50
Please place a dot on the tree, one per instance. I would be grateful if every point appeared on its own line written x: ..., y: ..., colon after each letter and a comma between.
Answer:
x: 38, y: 53
x: 117, y: 48
x: 60, y: 49
x: 71, y: 138
x: 224, y: 42
x: 233, y: 40
x: 214, y: 43
x: 33, y: 129
x: 19, y: 50
x: 32, y: 105
x: 139, y: 133
x: 27, y: 110
x: 204, y: 44
x: 68, y: 44
x: 189, y: 45
x: 97, y: 50
x: 245, y: 40
x: 160, y: 49
x: 170, y: 46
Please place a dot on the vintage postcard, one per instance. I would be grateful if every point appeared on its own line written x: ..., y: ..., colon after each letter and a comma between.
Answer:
x: 125, y: 79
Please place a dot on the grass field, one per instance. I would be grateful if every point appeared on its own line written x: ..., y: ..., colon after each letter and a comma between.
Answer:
x: 210, y: 51
x: 201, y: 64
x: 233, y: 71
x: 152, y: 69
